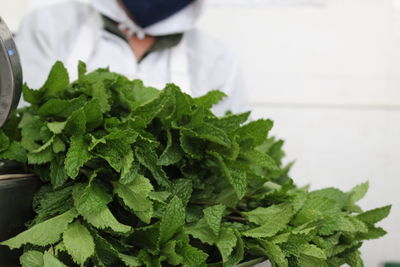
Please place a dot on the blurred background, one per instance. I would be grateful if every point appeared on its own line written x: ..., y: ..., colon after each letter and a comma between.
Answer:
x: 328, y: 73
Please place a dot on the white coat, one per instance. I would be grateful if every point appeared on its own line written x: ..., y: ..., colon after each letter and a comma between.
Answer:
x: 73, y: 31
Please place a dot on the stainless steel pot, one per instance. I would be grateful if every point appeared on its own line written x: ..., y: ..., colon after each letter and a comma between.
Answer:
x: 10, y: 74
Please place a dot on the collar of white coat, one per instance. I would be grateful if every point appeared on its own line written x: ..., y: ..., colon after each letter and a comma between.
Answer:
x: 180, y: 22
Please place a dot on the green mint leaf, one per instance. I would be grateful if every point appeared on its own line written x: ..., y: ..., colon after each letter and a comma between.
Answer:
x: 321, y: 204
x: 46, y: 145
x: 313, y: 251
x: 183, y: 102
x: 130, y: 169
x: 56, y: 127
x: 57, y: 81
x: 226, y: 243
x: 149, y: 260
x: 374, y: 215
x: 183, y: 189
x: 210, y: 133
x: 231, y: 122
x: 262, y: 215
x: 172, y: 153
x: 172, y: 220
x: 91, y: 202
x: 32, y: 258
x: 193, y: 147
x: 45, y: 233
x: 202, y: 231
x: 274, y: 149
x: 373, y: 233
x: 10, y: 128
x: 274, y: 254
x: 136, y: 196
x: 58, y: 145
x: 41, y: 157
x: 333, y: 194
x: 343, y: 224
x: 117, y: 153
x: 169, y: 251
x: 358, y: 192
x: 236, y: 178
x: 31, y: 127
x: 76, y: 123
x: 4, y: 141
x: 61, y: 108
x: 147, y: 237
x: 305, y: 261
x: 143, y: 94
x: 160, y: 197
x: 82, y: 69
x: 274, y: 222
x: 260, y: 159
x: 237, y: 254
x: 148, y: 158
x: 97, y: 89
x: 228, y: 197
x: 298, y: 200
x: 51, y: 261
x: 168, y: 111
x: 192, y: 257
x: 78, y: 242
x: 90, y: 198
x: 127, y: 136
x: 31, y: 96
x: 337, y: 223
x: 307, y: 215
x: 93, y: 113
x: 135, y: 94
x: 58, y: 175
x: 353, y: 259
x: 130, y: 261
x: 77, y: 156
x: 104, y: 219
x: 254, y: 133
x: 210, y: 99
x: 49, y: 203
x: 60, y: 247
x: 213, y: 216
x: 148, y: 111
x: 14, y: 152
x: 359, y: 226
x: 106, y: 254
x: 316, y: 207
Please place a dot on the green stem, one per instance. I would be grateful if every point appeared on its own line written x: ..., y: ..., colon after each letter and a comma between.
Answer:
x: 235, y: 218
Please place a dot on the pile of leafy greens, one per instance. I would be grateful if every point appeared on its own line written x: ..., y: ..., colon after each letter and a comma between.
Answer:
x: 134, y: 176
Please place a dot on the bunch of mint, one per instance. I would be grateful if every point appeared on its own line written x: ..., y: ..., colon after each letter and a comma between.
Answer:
x: 134, y: 176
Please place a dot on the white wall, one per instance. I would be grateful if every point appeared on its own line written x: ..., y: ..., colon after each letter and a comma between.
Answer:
x: 329, y: 76
x: 12, y: 11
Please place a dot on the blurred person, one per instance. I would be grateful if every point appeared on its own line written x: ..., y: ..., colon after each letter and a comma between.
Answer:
x: 152, y: 40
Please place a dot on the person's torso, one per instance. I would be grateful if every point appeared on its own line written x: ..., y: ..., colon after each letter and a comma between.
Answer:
x: 99, y: 47
x: 198, y: 64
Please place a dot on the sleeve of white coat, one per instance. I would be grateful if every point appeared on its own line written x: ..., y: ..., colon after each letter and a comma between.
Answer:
x: 234, y: 87
x: 47, y: 35
x: 36, y: 48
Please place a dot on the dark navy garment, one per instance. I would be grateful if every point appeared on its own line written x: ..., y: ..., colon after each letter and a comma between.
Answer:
x: 148, y: 12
